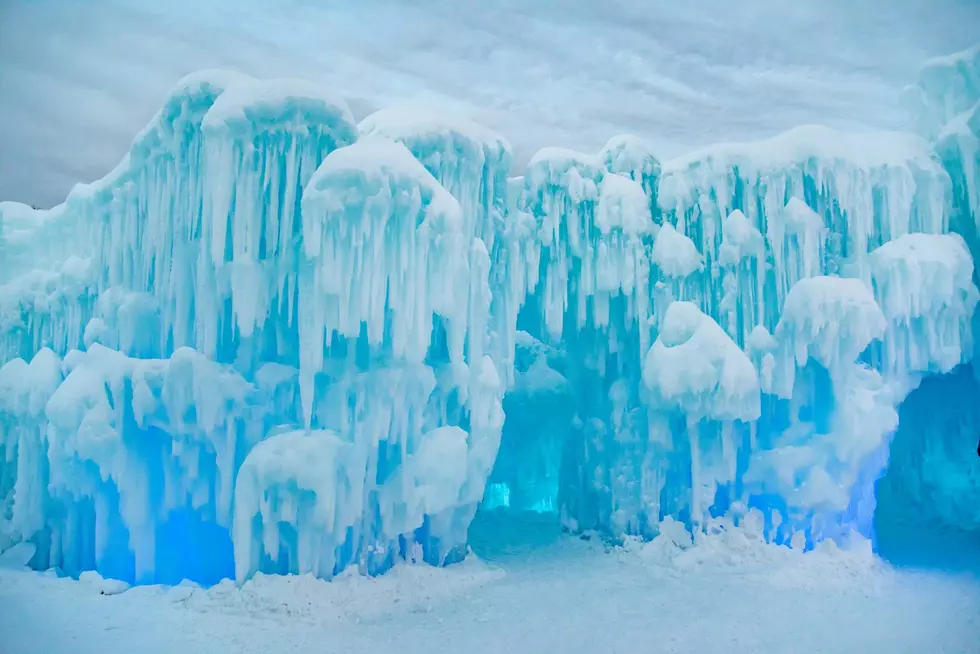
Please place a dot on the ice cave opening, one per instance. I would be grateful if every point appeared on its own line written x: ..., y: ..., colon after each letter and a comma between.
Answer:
x: 928, y: 505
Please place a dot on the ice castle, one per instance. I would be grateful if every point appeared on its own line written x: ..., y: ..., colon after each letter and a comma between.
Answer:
x: 273, y: 339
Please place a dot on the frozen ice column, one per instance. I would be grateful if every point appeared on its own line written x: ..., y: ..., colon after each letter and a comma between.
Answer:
x: 143, y: 217
x: 924, y: 286
x: 297, y: 495
x: 385, y: 251
x: 696, y: 369
x: 263, y: 142
x: 24, y: 392
x: 590, y: 229
x: 467, y: 159
x: 393, y: 377
x: 129, y: 443
x: 471, y: 162
x: 817, y: 474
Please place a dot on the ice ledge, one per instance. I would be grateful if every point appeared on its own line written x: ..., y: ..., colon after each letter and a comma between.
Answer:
x: 864, y: 150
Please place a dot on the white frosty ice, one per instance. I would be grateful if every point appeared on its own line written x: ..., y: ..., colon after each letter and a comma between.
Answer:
x: 740, y: 240
x: 635, y: 157
x: 263, y: 141
x: 831, y: 319
x: 387, y: 245
x: 675, y: 254
x: 590, y: 226
x: 924, y: 285
x: 695, y: 367
x: 296, y: 496
x: 948, y: 86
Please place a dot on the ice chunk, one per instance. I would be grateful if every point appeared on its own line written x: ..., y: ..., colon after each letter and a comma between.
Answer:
x: 150, y: 207
x: 428, y: 483
x: 26, y: 388
x: 633, y: 156
x: 799, y: 236
x: 623, y: 206
x: 760, y: 340
x: 740, y: 239
x: 824, y: 475
x: 868, y: 187
x: 831, y: 319
x: 958, y: 145
x: 945, y: 105
x: 263, y: 142
x: 125, y: 321
x: 128, y: 442
x: 469, y: 160
x: 589, y: 238
x: 623, y: 219
x: 696, y: 368
x: 23, y: 230
x: 947, y: 87
x: 760, y: 346
x: 924, y: 285
x: 24, y: 392
x: 46, y: 308
x: 296, y: 496
x: 282, y: 104
x: 385, y: 238
x: 560, y: 175
x: 675, y: 254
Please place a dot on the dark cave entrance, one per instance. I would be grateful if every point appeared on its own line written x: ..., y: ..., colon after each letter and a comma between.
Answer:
x: 928, y: 501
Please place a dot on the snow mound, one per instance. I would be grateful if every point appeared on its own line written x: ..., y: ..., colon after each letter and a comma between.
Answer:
x: 296, y: 496
x: 924, y: 285
x: 831, y: 319
x: 282, y: 104
x: 624, y: 206
x: 675, y: 253
x: 386, y: 241
x: 695, y: 367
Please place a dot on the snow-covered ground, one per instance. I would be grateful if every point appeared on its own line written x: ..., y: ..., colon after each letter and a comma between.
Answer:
x: 533, y: 590
x: 78, y: 80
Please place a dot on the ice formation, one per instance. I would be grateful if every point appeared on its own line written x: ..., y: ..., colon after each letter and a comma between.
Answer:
x: 273, y: 340
x: 945, y: 104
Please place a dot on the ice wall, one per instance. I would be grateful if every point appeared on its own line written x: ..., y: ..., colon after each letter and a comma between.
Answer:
x: 255, y: 277
x: 273, y: 340
x: 931, y: 478
x: 945, y: 108
x: 758, y: 360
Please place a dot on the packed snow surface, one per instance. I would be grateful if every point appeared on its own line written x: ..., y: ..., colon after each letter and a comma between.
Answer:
x: 730, y: 591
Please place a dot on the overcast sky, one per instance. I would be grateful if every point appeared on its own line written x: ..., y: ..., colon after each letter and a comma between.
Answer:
x: 79, y: 79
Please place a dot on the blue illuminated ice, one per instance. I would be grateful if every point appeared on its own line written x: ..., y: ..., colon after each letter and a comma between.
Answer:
x: 273, y: 340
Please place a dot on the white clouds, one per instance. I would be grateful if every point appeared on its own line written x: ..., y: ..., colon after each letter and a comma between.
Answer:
x: 77, y: 80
